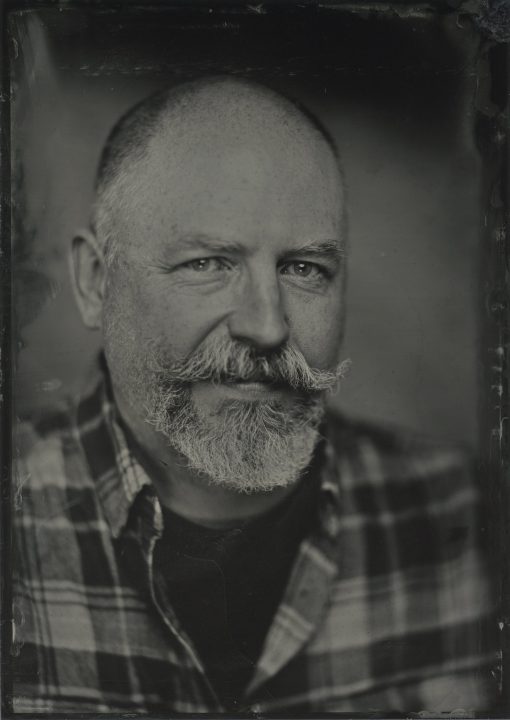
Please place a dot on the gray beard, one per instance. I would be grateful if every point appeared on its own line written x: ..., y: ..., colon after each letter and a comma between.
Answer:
x: 244, y: 446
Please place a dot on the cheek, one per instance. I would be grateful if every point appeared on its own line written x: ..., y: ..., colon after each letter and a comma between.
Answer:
x: 317, y: 329
x: 153, y: 310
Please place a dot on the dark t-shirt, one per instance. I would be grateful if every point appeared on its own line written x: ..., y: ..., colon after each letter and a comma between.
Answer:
x: 225, y: 584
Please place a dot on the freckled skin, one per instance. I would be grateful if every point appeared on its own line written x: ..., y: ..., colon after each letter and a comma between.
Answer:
x: 243, y: 169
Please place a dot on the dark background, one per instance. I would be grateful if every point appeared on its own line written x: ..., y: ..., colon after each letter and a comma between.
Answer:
x: 395, y: 90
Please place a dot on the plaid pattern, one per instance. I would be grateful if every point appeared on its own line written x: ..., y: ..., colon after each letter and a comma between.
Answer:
x: 385, y: 609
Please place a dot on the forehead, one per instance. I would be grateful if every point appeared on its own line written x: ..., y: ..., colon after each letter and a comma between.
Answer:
x: 243, y: 174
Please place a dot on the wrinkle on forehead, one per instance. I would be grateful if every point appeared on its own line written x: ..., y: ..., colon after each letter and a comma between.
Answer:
x: 218, y: 132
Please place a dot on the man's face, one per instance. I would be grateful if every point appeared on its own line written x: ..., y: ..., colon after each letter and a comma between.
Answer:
x: 233, y: 237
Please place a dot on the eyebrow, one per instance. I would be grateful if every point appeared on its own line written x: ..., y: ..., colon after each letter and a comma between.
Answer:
x: 335, y: 249
x: 210, y: 243
x: 332, y: 248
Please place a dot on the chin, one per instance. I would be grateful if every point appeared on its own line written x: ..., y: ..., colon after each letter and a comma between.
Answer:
x: 264, y: 468
x: 245, y: 446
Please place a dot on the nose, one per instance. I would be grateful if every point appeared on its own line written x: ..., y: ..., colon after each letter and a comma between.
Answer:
x: 259, y: 318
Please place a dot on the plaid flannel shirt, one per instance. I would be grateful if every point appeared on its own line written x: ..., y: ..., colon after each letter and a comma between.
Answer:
x: 386, y: 607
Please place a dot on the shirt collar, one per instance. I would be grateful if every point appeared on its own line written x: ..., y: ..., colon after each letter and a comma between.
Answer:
x: 120, y: 478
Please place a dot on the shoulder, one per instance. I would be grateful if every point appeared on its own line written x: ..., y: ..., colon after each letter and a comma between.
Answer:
x: 56, y: 509
x: 408, y: 550
x: 58, y: 541
x: 49, y: 467
x: 407, y: 499
x: 390, y: 459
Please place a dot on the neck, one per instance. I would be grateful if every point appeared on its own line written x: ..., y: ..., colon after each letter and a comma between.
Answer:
x: 184, y: 491
x: 193, y: 498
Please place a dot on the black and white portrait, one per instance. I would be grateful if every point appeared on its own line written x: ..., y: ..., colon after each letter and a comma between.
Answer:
x: 248, y: 349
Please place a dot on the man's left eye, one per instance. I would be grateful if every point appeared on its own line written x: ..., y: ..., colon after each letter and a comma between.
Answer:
x: 307, y: 270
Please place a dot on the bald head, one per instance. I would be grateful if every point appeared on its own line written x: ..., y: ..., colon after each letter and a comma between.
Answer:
x: 228, y: 124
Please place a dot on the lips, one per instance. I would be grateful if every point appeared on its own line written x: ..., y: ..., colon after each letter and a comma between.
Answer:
x: 255, y: 382
x: 252, y: 384
x: 254, y: 378
x: 254, y: 389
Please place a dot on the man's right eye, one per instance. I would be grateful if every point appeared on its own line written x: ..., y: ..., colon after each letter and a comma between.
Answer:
x: 206, y: 265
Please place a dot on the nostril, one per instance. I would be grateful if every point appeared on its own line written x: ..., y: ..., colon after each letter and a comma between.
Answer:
x: 263, y: 337
x: 259, y: 318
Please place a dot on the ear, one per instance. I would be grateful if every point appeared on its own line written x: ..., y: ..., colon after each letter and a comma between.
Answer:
x: 88, y: 275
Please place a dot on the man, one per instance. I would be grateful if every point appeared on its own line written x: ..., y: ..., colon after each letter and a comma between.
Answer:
x: 198, y: 534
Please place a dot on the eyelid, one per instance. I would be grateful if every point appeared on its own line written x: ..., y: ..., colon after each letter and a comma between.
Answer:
x: 201, y: 258
x: 321, y: 267
x: 217, y: 258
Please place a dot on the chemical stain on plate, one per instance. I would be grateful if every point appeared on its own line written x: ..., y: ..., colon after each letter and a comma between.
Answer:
x: 51, y: 385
